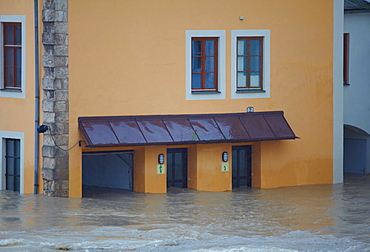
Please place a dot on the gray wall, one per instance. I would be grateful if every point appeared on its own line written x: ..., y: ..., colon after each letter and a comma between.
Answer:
x: 356, y: 95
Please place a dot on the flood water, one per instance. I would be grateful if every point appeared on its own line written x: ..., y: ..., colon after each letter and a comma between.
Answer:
x: 305, y: 218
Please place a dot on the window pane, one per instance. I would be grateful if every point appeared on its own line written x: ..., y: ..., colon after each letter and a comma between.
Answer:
x: 17, y: 167
x: 196, y: 64
x: 255, y: 63
x: 242, y: 47
x: 196, y: 48
x: 210, y: 48
x: 10, y: 166
x: 210, y: 80
x: 178, y: 166
x: 9, y: 76
x: 9, y: 57
x: 17, y: 147
x: 210, y: 64
x: 255, y: 47
x: 196, y: 80
x: 9, y: 147
x: 19, y: 57
x: 18, y: 72
x: 255, y: 79
x: 17, y: 184
x: 242, y: 79
x: 9, y: 35
x: 10, y: 183
x: 169, y: 164
x: 242, y: 63
x: 18, y: 34
x: 242, y: 154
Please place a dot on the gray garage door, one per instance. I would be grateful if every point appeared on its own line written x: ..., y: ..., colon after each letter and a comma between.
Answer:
x: 108, y: 169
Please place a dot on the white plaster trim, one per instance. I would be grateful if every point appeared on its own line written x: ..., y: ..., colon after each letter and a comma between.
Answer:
x: 338, y: 23
x: 221, y: 34
x: 20, y: 19
x: 266, y: 63
x: 12, y: 135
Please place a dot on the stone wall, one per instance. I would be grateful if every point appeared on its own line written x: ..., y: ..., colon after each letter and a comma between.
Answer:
x: 55, y: 100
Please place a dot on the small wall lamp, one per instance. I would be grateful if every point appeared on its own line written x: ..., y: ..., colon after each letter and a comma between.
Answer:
x: 42, y: 128
x: 225, y: 156
x: 161, y: 159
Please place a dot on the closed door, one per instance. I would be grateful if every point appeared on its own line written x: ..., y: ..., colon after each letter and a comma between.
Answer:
x: 241, y: 166
x: 177, y: 167
x: 12, y: 166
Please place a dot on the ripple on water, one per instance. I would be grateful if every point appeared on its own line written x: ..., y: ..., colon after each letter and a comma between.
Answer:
x: 305, y: 218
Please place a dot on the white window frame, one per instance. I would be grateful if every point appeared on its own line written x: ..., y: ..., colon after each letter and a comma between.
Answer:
x: 265, y: 93
x: 13, y: 93
x: 11, y: 135
x: 221, y: 34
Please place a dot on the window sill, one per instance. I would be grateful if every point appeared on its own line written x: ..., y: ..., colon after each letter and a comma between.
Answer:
x: 251, y: 91
x: 205, y: 92
x: 13, y: 93
x: 11, y: 90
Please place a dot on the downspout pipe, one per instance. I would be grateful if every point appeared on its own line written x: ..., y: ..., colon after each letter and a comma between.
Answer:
x: 37, y: 96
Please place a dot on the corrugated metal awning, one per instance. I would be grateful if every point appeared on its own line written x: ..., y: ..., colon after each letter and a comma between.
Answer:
x: 115, y: 131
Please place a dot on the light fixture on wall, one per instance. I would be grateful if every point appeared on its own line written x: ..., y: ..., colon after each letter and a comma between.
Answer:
x: 225, y: 156
x: 42, y: 128
x: 161, y: 159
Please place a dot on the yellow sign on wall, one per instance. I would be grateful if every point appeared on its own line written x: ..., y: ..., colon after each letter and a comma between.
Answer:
x: 225, y: 166
x: 161, y: 169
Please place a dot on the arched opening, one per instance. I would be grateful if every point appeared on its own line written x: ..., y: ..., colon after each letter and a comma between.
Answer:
x: 356, y: 150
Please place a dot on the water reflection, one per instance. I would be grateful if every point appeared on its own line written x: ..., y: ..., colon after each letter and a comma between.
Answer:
x: 315, y: 218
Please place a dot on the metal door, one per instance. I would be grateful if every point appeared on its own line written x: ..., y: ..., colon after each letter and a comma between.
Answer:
x: 241, y: 166
x: 177, y: 167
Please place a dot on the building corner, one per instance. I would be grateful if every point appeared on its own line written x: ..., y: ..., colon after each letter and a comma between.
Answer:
x: 338, y: 22
x: 55, y: 105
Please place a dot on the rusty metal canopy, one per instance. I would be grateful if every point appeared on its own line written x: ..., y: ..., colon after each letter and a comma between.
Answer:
x: 115, y: 131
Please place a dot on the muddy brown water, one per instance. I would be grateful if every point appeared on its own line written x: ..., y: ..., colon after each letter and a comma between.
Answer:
x: 304, y: 218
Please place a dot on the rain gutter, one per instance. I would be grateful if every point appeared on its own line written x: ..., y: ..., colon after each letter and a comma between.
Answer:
x: 37, y: 96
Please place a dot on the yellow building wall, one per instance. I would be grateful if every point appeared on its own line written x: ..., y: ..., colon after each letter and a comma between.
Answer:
x: 139, y: 170
x: 209, y: 174
x: 128, y: 58
x: 256, y: 165
x: 193, y: 166
x: 18, y: 114
x: 154, y: 183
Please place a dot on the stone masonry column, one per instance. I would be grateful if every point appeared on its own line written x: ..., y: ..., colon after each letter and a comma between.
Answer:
x: 55, y: 100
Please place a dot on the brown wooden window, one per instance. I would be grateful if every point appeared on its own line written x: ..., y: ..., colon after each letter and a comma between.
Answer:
x: 249, y: 63
x: 12, y: 52
x: 346, y: 59
x: 204, y: 64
